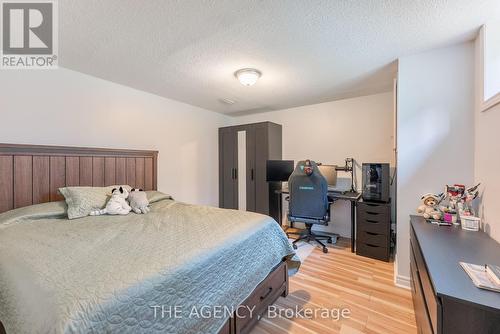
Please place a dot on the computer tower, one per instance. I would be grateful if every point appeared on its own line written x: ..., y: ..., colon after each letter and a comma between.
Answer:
x: 376, y: 181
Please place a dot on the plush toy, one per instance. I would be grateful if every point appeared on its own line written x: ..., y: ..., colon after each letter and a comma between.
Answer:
x: 138, y: 201
x: 117, y: 204
x: 429, y: 207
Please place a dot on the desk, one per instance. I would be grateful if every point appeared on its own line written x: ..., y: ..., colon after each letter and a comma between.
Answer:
x: 350, y: 196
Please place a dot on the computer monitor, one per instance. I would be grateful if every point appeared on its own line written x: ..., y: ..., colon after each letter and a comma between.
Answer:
x: 279, y: 170
x: 330, y: 174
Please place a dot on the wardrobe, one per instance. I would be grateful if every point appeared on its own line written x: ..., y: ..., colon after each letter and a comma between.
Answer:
x: 243, y: 154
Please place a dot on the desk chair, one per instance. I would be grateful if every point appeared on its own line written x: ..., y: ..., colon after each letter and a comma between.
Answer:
x: 309, y: 202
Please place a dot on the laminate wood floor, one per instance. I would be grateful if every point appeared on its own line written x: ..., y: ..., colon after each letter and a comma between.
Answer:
x: 337, y: 280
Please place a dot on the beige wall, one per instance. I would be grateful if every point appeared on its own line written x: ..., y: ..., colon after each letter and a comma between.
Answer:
x: 63, y: 107
x: 361, y: 128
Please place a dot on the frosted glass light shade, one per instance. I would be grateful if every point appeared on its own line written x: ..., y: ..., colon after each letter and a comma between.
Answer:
x: 248, y: 76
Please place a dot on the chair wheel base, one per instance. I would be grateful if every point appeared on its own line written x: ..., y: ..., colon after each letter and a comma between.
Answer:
x: 332, y: 240
x: 325, y: 250
x: 294, y: 246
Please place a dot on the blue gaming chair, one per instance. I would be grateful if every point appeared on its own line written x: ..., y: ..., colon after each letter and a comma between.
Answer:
x: 309, y: 201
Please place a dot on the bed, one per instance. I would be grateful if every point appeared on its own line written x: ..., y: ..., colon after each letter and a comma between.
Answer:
x: 179, y: 269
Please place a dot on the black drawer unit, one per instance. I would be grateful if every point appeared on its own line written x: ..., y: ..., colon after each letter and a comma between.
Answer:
x: 445, y: 299
x: 373, y: 233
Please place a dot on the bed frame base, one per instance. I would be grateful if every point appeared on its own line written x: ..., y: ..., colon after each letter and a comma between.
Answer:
x: 264, y: 295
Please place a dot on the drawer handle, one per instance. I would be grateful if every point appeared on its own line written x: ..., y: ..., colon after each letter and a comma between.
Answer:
x: 372, y: 213
x: 370, y: 245
x: 269, y: 290
x: 371, y: 233
x: 372, y: 221
x: 369, y: 204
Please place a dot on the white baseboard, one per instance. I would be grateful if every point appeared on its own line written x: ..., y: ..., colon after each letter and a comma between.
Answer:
x: 402, y: 281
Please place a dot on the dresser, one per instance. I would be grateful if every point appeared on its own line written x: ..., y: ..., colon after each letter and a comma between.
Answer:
x: 373, y: 232
x: 445, y: 299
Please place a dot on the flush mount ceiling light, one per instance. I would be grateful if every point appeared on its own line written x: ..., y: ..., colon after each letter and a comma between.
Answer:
x: 248, y: 76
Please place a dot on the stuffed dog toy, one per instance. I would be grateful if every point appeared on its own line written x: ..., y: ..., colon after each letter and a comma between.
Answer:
x: 117, y: 204
x: 138, y: 201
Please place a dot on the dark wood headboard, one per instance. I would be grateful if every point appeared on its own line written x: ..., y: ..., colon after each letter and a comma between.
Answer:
x: 31, y: 174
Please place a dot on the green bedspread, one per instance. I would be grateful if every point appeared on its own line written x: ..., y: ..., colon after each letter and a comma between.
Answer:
x: 111, y: 274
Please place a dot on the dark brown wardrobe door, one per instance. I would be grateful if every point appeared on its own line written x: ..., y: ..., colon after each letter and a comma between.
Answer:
x: 228, y: 155
x: 250, y: 167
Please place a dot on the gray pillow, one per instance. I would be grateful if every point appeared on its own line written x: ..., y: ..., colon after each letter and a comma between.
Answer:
x: 156, y: 196
x: 82, y: 200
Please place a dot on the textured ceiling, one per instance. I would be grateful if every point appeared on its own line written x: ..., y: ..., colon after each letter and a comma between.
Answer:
x: 308, y: 51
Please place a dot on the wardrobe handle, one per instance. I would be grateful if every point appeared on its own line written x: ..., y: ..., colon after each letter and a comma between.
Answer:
x: 251, y: 174
x: 232, y: 173
x: 236, y: 173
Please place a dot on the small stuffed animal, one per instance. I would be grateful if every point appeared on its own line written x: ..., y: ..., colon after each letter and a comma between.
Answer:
x: 429, y: 207
x: 117, y: 204
x: 138, y: 201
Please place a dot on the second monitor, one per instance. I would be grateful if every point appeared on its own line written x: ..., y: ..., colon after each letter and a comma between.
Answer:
x: 330, y: 174
x: 279, y: 170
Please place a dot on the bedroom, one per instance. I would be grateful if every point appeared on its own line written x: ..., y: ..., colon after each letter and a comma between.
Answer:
x: 142, y: 94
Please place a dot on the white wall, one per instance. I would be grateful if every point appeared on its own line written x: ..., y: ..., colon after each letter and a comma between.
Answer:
x: 63, y: 107
x: 487, y: 162
x: 361, y: 128
x: 487, y: 139
x: 435, y: 132
x: 487, y: 142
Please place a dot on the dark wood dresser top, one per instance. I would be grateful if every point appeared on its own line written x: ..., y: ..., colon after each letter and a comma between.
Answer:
x: 443, y: 247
